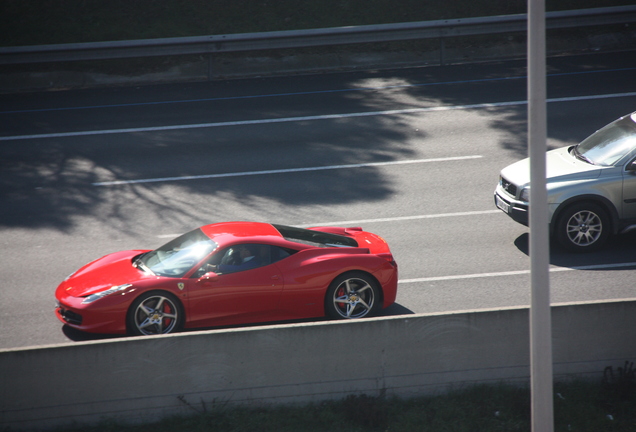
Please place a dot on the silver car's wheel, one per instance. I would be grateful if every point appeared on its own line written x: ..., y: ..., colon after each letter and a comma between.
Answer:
x: 583, y: 227
x: 352, y: 295
x: 155, y: 313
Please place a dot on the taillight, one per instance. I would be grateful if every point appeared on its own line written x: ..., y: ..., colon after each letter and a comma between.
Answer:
x: 389, y: 258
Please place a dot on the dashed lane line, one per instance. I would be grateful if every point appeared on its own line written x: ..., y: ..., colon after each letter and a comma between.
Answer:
x: 307, y: 118
x: 517, y: 273
x: 553, y: 269
x: 285, y: 171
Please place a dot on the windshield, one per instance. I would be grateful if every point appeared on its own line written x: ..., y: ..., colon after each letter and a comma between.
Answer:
x: 609, y: 145
x: 177, y: 257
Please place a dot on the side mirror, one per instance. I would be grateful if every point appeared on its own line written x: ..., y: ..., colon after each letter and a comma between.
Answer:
x: 631, y: 167
x: 207, y: 279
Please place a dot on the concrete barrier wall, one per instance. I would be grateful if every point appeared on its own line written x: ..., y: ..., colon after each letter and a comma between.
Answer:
x: 143, y: 379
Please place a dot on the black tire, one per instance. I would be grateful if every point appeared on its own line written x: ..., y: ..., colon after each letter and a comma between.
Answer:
x: 583, y: 227
x: 156, y: 312
x: 353, y: 295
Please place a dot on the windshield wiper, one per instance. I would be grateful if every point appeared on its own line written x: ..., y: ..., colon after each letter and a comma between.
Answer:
x: 581, y: 156
x: 138, y: 263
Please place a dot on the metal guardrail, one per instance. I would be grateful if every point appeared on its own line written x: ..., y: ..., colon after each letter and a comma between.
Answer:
x: 308, y: 38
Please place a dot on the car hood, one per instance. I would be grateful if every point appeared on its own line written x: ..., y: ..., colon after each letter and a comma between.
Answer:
x: 111, y: 270
x: 561, y: 166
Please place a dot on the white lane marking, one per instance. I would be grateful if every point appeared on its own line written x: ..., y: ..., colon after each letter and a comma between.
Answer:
x: 284, y: 171
x: 455, y: 277
x: 516, y: 273
x: 393, y: 219
x: 306, y: 118
x: 402, y: 218
x: 257, y: 122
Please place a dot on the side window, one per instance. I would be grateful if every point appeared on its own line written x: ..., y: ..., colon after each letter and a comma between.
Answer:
x: 279, y: 253
x: 242, y: 257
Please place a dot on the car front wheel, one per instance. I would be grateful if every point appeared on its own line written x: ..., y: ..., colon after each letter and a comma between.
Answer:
x: 583, y: 227
x: 155, y: 313
x: 352, y: 295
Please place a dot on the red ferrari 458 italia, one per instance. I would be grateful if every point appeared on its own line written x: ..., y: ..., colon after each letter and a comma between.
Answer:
x: 232, y: 273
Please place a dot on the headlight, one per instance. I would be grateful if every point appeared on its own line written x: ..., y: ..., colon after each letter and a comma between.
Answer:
x: 91, y: 298
x: 525, y: 194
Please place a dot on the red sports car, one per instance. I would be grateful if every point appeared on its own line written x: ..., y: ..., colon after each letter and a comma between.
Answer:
x: 232, y: 273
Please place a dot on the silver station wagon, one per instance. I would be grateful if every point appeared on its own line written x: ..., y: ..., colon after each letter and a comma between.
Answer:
x: 591, y: 187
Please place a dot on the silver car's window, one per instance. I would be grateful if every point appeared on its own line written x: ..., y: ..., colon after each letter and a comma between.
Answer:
x: 609, y: 145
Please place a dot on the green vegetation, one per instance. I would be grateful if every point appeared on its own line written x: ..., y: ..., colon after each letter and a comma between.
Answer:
x: 34, y: 22
x: 579, y: 406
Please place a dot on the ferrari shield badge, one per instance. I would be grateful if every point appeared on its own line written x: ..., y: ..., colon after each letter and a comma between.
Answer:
x: 181, y: 286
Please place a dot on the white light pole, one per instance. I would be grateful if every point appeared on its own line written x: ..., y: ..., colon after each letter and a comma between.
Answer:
x: 540, y: 314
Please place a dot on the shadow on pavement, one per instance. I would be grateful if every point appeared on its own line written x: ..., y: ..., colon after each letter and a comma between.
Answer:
x: 619, y: 250
x: 80, y: 336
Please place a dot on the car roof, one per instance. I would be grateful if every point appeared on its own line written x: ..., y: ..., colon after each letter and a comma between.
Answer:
x: 228, y: 232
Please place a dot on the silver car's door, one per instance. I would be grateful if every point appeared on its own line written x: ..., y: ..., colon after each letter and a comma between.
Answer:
x: 629, y: 191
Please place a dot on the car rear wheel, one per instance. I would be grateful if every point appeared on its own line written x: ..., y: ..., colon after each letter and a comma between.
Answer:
x: 155, y: 313
x: 583, y: 227
x: 352, y: 295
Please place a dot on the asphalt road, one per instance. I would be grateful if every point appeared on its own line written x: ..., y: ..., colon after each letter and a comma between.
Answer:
x: 410, y: 154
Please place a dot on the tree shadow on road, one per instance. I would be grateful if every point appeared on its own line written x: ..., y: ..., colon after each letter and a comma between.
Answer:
x: 51, y: 183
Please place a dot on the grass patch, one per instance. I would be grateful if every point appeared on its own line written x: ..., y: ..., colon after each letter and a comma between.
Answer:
x: 579, y: 406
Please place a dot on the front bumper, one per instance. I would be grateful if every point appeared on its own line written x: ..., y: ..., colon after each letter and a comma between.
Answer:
x: 90, y: 320
x: 518, y: 211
